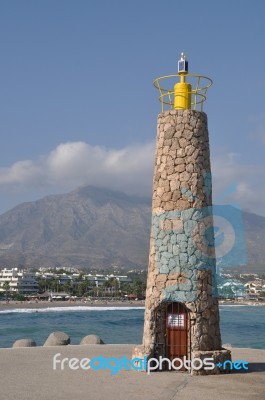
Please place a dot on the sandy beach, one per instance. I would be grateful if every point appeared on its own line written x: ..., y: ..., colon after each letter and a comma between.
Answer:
x: 27, y: 374
x: 11, y: 305
x: 47, y: 304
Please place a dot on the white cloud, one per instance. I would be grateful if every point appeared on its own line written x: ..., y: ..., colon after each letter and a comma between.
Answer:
x: 234, y: 180
x: 25, y: 172
x: 78, y: 163
x: 129, y: 169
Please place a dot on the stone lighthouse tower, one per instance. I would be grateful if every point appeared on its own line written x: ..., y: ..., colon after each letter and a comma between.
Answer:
x: 182, y: 315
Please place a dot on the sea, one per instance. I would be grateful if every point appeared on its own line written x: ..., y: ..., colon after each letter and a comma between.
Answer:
x: 241, y: 326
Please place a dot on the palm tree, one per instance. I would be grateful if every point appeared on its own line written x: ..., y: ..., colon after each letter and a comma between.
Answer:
x: 82, y: 288
x: 139, y: 288
x: 6, y: 287
x: 113, y: 284
x: 54, y: 285
x: 67, y: 287
x: 42, y: 285
x: 126, y: 288
x: 107, y: 285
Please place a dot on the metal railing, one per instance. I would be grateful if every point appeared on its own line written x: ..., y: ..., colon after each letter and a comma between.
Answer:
x: 200, y: 84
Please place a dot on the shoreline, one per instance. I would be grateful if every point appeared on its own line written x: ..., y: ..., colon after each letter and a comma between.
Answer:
x: 241, y: 303
x: 67, y: 304
x: 11, y: 305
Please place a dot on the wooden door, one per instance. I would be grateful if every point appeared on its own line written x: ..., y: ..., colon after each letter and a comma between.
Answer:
x: 177, y: 331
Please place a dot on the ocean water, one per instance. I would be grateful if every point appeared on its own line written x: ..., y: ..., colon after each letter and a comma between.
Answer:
x: 241, y: 326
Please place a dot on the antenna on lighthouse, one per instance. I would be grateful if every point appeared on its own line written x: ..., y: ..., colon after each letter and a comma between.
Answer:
x: 182, y: 89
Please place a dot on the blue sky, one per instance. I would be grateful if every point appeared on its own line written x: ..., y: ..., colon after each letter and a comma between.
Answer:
x: 77, y: 104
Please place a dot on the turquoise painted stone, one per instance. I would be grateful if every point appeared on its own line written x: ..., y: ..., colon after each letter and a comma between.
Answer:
x: 183, y: 258
x: 181, y: 237
x: 187, y: 214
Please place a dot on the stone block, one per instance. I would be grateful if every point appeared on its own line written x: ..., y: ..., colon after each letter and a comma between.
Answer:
x: 24, y: 343
x: 219, y: 356
x: 189, y: 227
x: 184, y: 176
x: 183, y: 258
x: 91, y: 339
x: 181, y: 237
x: 57, y: 339
x: 164, y: 269
x: 180, y: 168
x: 173, y: 239
x: 169, y: 132
x: 183, y: 247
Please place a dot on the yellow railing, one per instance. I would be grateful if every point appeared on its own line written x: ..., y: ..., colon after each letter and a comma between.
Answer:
x: 200, y: 85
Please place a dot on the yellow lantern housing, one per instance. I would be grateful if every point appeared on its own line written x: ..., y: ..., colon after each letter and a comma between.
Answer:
x: 182, y: 96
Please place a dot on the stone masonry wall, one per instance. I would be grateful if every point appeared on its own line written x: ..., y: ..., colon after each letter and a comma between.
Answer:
x: 182, y: 257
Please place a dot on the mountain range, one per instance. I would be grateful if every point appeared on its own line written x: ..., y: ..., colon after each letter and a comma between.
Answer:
x: 92, y: 227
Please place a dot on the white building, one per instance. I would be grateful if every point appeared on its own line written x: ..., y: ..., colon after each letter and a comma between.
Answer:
x: 120, y: 278
x: 100, y: 279
x: 19, y: 281
x: 254, y: 287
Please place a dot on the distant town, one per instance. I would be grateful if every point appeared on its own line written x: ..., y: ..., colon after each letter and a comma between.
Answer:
x: 68, y: 284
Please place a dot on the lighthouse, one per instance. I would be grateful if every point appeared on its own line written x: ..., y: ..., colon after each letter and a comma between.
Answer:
x: 181, y: 312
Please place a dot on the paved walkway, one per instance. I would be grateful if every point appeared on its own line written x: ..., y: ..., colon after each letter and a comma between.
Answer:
x: 27, y: 374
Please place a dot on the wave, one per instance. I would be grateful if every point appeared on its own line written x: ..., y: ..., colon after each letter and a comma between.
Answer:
x: 92, y: 308
x: 66, y: 309
x: 236, y: 305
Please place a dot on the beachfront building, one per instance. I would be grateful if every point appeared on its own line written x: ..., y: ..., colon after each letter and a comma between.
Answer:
x: 231, y: 289
x: 18, y: 281
x: 255, y: 287
x: 99, y: 279
x: 119, y: 278
x: 95, y: 279
x: 72, y: 281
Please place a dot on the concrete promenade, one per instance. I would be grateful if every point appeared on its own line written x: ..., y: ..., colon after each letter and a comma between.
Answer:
x: 27, y: 374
